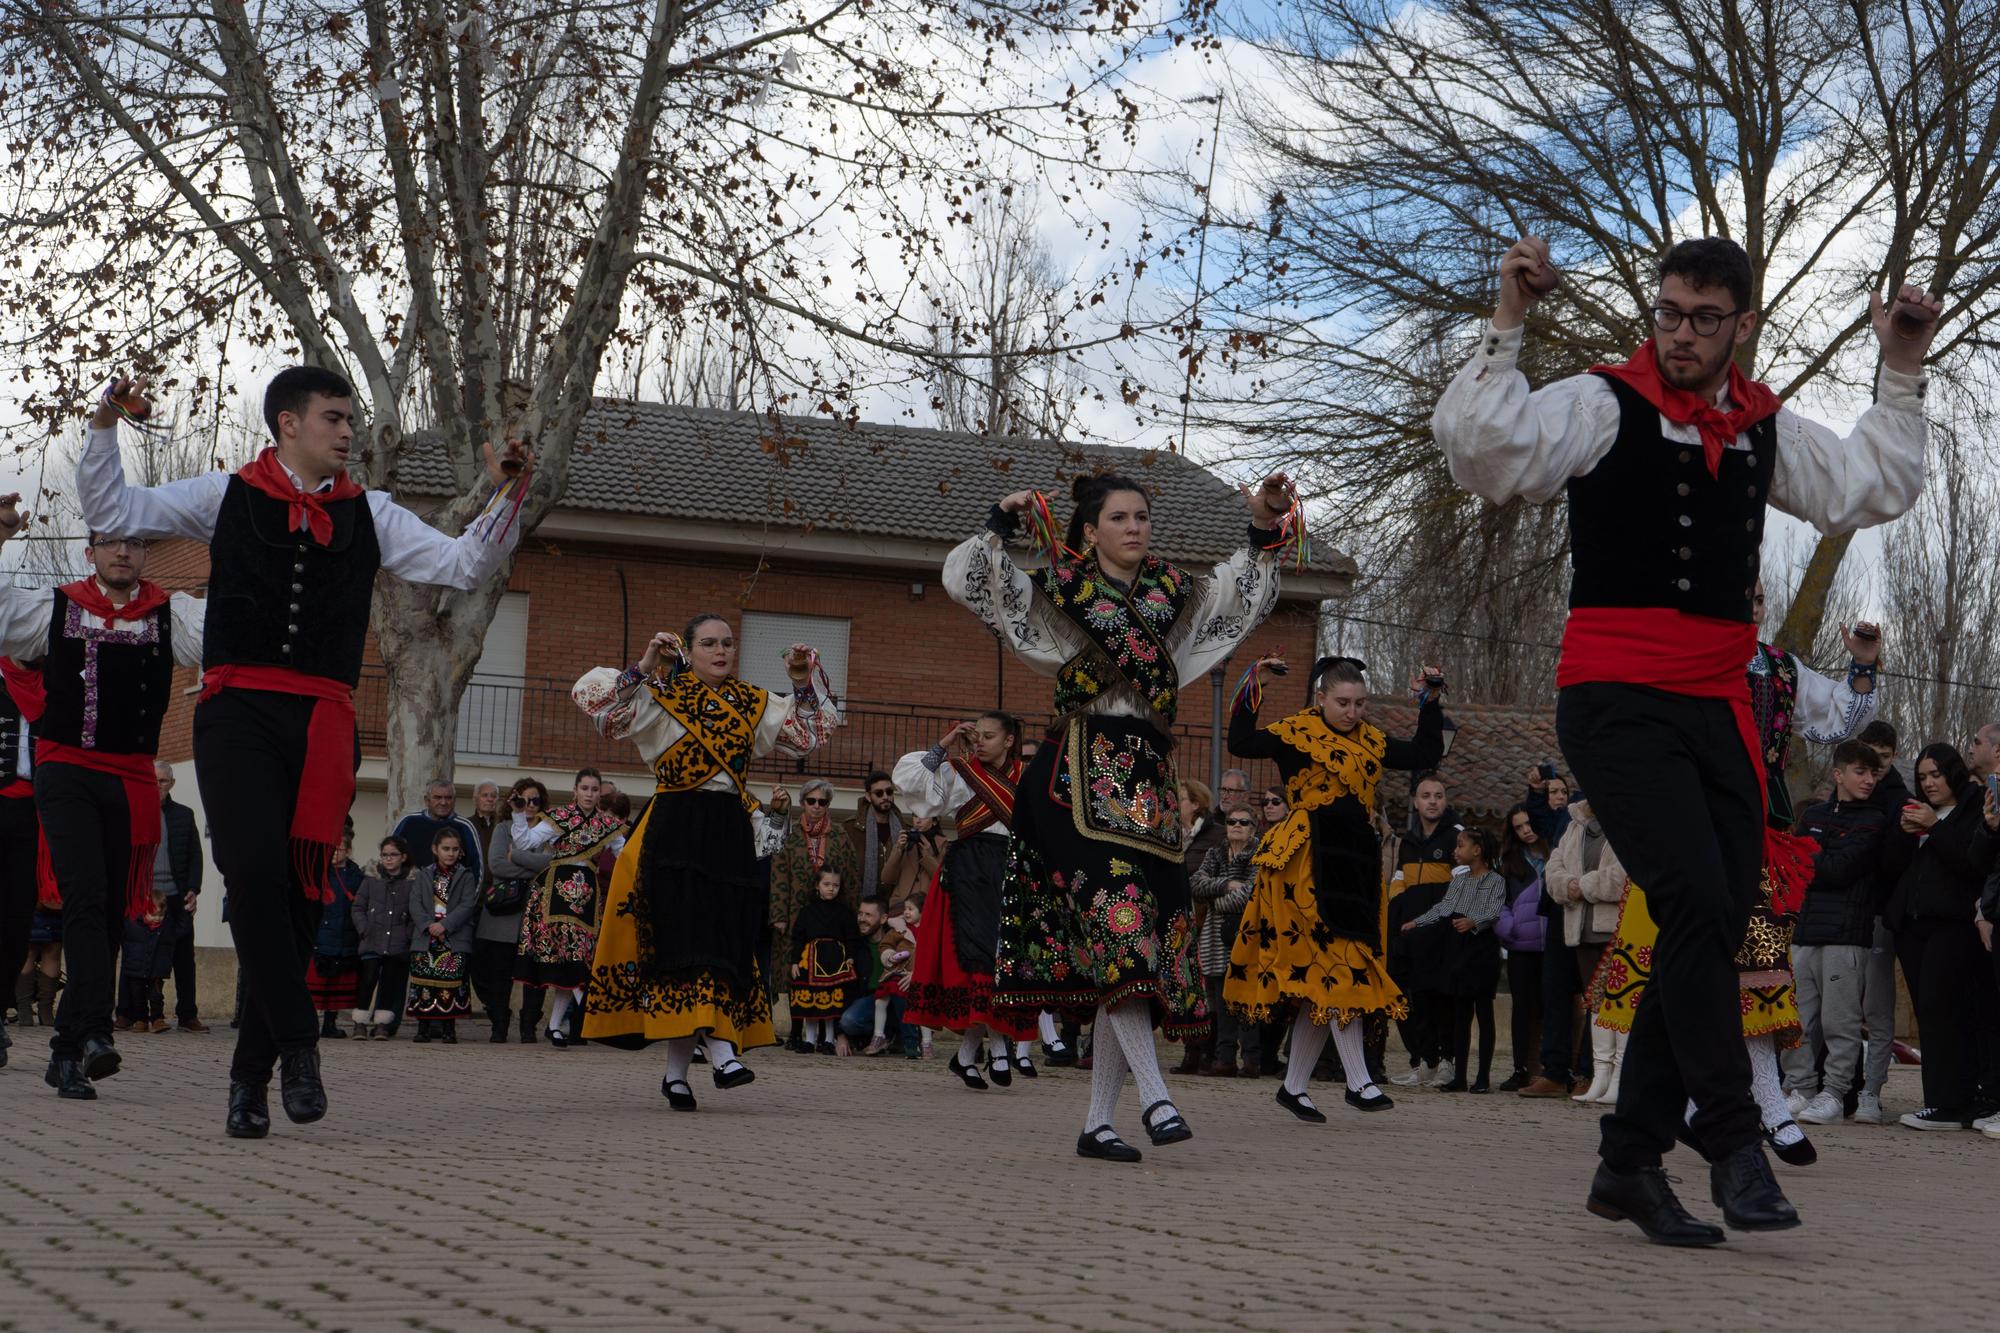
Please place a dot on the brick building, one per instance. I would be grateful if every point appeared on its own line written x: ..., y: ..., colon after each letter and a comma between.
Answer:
x: 802, y: 530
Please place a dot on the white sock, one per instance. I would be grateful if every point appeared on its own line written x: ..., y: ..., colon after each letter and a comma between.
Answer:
x: 1023, y: 1050
x: 560, y: 1000
x: 1107, y: 1080
x: 1347, y: 1043
x: 996, y: 1047
x: 1769, y: 1090
x: 1050, y: 1033
x: 1308, y: 1040
x: 881, y: 1017
x: 680, y: 1054
x: 968, y: 1051
x: 721, y: 1054
x: 1130, y: 1026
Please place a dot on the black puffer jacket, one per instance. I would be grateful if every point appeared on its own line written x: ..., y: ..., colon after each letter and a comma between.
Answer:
x: 1942, y: 879
x: 1847, y: 886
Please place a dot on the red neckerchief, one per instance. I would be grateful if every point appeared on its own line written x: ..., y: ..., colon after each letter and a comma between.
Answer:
x: 816, y: 838
x: 24, y: 685
x: 268, y: 475
x: 146, y: 599
x: 1719, y: 429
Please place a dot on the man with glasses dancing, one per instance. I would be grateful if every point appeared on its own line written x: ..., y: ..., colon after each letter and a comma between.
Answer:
x: 112, y: 643
x: 1669, y: 462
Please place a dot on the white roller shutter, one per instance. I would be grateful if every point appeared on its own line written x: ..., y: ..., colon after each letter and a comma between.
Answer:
x: 766, y: 635
x: 489, y: 712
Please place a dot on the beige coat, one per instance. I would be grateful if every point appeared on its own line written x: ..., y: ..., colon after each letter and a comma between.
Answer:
x: 1598, y: 891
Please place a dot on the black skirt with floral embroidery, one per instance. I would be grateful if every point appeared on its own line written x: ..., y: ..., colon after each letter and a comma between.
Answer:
x: 1094, y: 909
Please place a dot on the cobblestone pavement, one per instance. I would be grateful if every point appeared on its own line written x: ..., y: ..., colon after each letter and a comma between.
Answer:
x: 484, y: 1186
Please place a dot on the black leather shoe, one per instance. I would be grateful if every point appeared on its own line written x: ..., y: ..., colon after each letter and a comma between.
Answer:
x: 1023, y: 1065
x: 99, y: 1058
x: 450, y: 1032
x: 1104, y: 1145
x: 1172, y: 1129
x: 968, y: 1074
x: 1747, y: 1193
x: 679, y: 1095
x: 499, y: 1037
x: 249, y: 1111
x: 1646, y: 1198
x: 1801, y: 1153
x: 1301, y: 1107
x: 67, y: 1078
x: 733, y: 1075
x: 299, y: 1086
x: 1058, y: 1056
x: 1381, y: 1101
x: 1000, y: 1072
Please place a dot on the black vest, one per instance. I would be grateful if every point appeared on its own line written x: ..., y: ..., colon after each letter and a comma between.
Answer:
x: 11, y: 745
x: 108, y: 689
x: 1649, y: 527
x: 278, y: 598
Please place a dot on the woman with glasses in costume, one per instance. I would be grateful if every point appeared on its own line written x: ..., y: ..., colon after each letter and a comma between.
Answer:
x: 677, y: 949
x: 1094, y: 917
x: 1314, y: 934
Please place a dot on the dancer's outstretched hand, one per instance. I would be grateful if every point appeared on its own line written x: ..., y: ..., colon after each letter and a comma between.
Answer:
x: 1526, y: 276
x: 12, y: 520
x: 1905, y: 327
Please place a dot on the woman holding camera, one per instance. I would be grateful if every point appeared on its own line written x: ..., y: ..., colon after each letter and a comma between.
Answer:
x: 1094, y: 907
x: 497, y: 937
x: 688, y: 914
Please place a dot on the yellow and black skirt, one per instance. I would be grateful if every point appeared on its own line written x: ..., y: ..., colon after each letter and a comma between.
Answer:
x: 1769, y: 1004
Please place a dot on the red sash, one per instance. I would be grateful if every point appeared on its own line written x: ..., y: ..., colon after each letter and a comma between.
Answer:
x: 142, y: 808
x: 992, y: 795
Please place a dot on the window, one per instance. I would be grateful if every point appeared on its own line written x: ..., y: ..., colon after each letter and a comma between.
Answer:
x: 766, y: 635
x: 489, y: 712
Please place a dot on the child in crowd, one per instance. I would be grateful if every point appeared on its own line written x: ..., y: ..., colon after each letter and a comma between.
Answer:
x: 144, y: 964
x: 333, y: 972
x: 828, y: 959
x: 442, y: 902
x: 41, y: 973
x: 381, y: 913
x: 916, y: 1040
x: 893, y: 955
x: 1836, y: 929
x: 1471, y: 951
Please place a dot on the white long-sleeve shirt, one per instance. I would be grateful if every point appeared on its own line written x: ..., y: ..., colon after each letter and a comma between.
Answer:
x: 1828, y: 711
x: 26, y: 616
x: 932, y: 788
x: 411, y: 548
x: 1503, y: 440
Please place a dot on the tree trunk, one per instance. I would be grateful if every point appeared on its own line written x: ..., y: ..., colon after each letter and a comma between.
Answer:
x: 1802, y: 621
x: 430, y: 642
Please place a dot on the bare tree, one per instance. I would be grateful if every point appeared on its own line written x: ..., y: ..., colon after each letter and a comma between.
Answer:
x: 446, y: 197
x: 1402, y: 148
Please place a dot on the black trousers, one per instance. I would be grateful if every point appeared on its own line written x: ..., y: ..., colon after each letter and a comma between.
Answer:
x: 186, y: 1008
x: 1524, y: 988
x: 1565, y: 1055
x: 1463, y: 1010
x: 17, y: 883
x: 88, y: 828
x: 249, y: 750
x: 493, y: 978
x: 1668, y: 778
x: 1951, y: 983
x: 141, y: 999
x: 1424, y: 1032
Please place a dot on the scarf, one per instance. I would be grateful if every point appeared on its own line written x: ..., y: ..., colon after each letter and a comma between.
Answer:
x: 1593, y: 845
x: 146, y: 599
x: 815, y: 836
x: 871, y: 862
x: 1719, y: 429
x: 307, y: 508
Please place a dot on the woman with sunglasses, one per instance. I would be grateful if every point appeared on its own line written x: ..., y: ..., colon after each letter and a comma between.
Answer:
x: 1094, y: 911
x: 1224, y: 881
x: 1314, y: 934
x: 1272, y: 808
x: 688, y: 916
x: 497, y: 937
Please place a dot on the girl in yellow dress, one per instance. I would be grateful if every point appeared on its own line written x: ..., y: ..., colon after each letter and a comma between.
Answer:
x: 1314, y: 933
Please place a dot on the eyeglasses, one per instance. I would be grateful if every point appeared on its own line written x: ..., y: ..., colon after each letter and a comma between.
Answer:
x: 119, y: 544
x: 882, y: 793
x: 1274, y: 800
x: 1242, y: 823
x: 1705, y: 322
x: 531, y: 798
x: 818, y: 800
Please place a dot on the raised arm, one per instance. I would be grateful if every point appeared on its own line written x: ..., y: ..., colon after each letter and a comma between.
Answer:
x: 981, y: 577
x: 1236, y: 596
x: 412, y: 549
x: 1423, y: 749
x: 928, y: 783
x: 1829, y: 711
x: 1247, y: 740
x: 185, y: 508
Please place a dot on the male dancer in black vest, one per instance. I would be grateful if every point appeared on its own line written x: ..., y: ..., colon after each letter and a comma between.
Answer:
x: 294, y: 546
x: 112, y: 642
x: 1670, y: 462
x: 18, y: 831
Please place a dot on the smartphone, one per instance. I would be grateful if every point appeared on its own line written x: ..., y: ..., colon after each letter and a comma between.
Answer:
x: 1993, y: 787
x: 1548, y: 771
x: 1867, y: 633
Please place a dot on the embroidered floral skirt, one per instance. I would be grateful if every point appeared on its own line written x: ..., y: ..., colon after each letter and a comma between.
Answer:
x: 826, y: 977
x: 687, y: 915
x: 1285, y: 955
x: 944, y: 993
x: 1087, y: 918
x: 437, y: 984
x: 1770, y: 1007
x: 558, y: 930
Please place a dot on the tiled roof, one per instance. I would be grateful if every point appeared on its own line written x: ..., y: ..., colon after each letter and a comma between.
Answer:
x: 1491, y: 753
x: 708, y: 464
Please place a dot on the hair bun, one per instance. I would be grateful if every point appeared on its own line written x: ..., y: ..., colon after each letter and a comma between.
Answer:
x: 1084, y: 487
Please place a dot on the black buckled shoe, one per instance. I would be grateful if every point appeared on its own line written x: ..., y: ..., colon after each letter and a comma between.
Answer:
x: 249, y: 1111
x: 1747, y: 1193
x: 1104, y: 1144
x: 1798, y: 1153
x: 1058, y: 1056
x: 1024, y: 1065
x: 1172, y: 1129
x: 66, y: 1076
x: 733, y: 1075
x: 1301, y: 1106
x: 99, y: 1059
x: 1000, y: 1070
x: 1646, y: 1198
x: 1361, y: 1101
x: 968, y: 1074
x: 683, y: 1100
x: 299, y: 1087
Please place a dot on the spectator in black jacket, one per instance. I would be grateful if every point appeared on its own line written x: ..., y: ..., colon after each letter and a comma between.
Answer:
x: 1547, y: 804
x: 182, y: 846
x: 1943, y: 851
x: 1878, y: 990
x: 1836, y: 929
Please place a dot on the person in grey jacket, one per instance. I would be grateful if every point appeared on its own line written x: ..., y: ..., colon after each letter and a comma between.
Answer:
x: 1225, y: 881
x: 381, y: 910
x: 443, y: 899
x: 497, y: 935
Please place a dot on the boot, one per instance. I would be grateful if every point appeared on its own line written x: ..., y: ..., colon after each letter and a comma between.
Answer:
x: 363, y: 1021
x: 24, y: 999
x: 328, y: 1028
x: 499, y: 1018
x: 527, y: 1028
x: 450, y: 1035
x: 1610, y: 1097
x: 385, y: 1024
x: 46, y: 989
x: 1601, y: 1046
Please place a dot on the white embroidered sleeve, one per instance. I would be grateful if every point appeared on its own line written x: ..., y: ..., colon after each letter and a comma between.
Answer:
x: 981, y: 577
x: 1228, y: 604
x: 929, y: 792
x: 624, y: 710
x: 794, y: 725
x: 1829, y: 711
